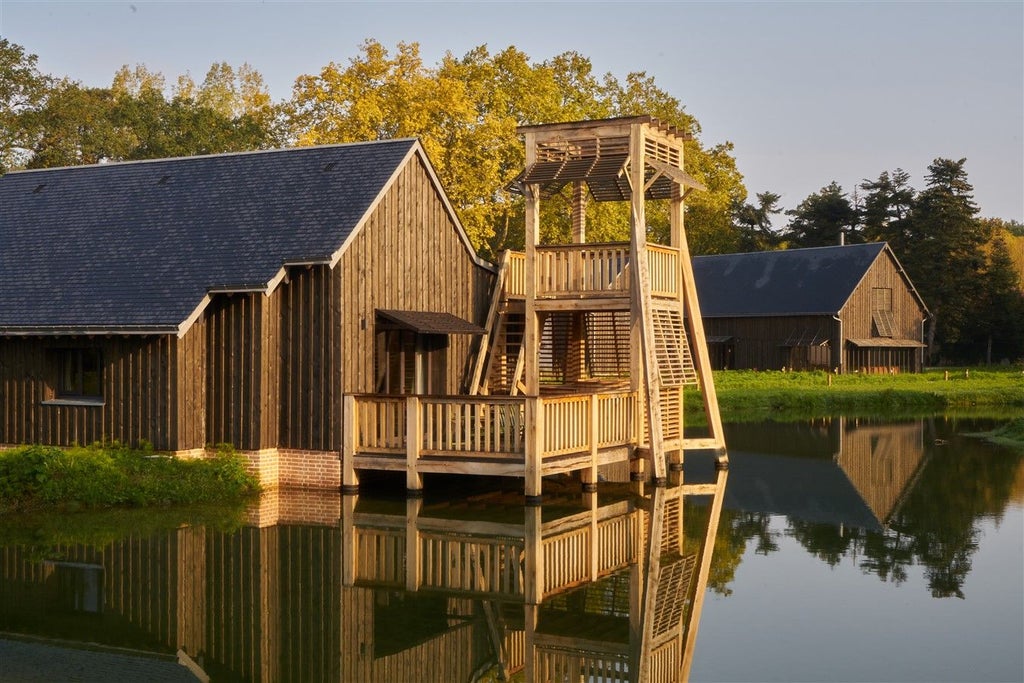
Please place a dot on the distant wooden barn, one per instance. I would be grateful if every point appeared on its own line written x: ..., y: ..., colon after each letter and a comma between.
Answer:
x: 851, y: 308
x: 231, y: 298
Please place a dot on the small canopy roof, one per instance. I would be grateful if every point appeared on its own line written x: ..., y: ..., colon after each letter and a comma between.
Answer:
x: 429, y: 322
x: 880, y: 342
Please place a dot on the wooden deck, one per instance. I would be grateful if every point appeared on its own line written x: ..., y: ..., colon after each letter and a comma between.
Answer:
x: 525, y: 562
x: 512, y: 436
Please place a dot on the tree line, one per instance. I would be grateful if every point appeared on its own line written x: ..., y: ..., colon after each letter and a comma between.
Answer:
x: 465, y: 110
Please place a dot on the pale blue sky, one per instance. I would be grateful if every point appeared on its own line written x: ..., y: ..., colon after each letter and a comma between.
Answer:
x: 808, y: 92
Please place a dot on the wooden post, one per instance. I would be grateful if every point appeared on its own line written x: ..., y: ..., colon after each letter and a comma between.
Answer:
x: 652, y: 560
x: 348, y: 540
x: 698, y: 339
x: 533, y: 555
x: 531, y: 332
x: 589, y: 474
x: 413, y: 506
x: 641, y: 302
x: 534, y: 451
x: 349, y: 441
x: 413, y: 439
x: 703, y: 572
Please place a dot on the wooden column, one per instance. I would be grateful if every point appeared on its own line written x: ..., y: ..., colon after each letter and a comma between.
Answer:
x: 413, y: 506
x: 531, y: 333
x: 348, y: 540
x: 534, y: 448
x: 641, y: 302
x: 703, y: 572
x: 350, y: 431
x: 579, y: 212
x: 413, y: 438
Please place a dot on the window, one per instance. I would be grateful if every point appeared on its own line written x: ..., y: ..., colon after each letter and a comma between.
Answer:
x: 881, y: 312
x: 81, y: 374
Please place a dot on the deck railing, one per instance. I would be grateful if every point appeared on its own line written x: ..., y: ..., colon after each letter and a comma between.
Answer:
x: 493, y: 427
x: 582, y: 269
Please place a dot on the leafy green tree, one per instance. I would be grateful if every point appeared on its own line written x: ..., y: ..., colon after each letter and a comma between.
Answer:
x: 946, y: 258
x: 886, y: 210
x: 76, y: 125
x: 825, y: 218
x: 753, y: 223
x: 466, y: 110
x: 1001, y: 323
x: 22, y: 91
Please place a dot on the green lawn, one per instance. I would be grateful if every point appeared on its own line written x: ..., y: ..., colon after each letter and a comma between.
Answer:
x: 751, y: 395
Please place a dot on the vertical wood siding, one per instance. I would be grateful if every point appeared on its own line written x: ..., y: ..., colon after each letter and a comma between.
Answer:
x: 241, y: 371
x: 907, y: 314
x: 139, y: 392
x: 262, y: 372
x: 409, y: 256
x: 310, y: 354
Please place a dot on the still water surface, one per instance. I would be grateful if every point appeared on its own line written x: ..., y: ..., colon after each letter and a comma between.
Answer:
x: 845, y: 550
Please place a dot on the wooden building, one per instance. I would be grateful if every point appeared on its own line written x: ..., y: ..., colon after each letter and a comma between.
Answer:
x: 588, y: 346
x: 231, y: 298
x: 846, y: 308
x: 322, y: 310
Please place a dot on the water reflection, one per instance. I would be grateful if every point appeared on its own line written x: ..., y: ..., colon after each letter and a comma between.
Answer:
x: 313, y: 586
x: 317, y: 587
x: 888, y: 494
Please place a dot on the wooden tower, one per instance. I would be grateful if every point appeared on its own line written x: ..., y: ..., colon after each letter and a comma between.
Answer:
x: 650, y: 286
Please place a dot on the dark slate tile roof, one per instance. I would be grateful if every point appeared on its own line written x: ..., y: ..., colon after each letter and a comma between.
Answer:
x: 138, y: 245
x: 791, y: 282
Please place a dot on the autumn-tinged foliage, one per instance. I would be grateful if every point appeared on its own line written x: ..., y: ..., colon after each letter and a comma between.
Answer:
x: 466, y: 110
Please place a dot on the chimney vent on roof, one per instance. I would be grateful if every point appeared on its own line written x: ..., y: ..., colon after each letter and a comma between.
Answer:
x: 163, y: 180
x: 39, y: 188
x: 330, y: 166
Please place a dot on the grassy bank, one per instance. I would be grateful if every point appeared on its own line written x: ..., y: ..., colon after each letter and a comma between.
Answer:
x: 104, y: 476
x: 1010, y: 434
x: 749, y: 395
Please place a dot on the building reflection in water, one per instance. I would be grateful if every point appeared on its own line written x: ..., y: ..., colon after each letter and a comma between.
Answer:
x: 785, y: 469
x: 318, y: 586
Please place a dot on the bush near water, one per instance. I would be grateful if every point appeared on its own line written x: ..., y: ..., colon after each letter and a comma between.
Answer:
x: 113, y: 475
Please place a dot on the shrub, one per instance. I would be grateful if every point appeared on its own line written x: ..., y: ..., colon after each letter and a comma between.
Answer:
x: 111, y: 475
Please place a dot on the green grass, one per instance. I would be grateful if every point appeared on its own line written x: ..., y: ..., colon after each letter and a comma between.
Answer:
x: 1010, y: 434
x: 745, y: 395
x: 111, y: 475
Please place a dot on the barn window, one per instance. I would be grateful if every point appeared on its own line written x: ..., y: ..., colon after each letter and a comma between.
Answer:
x: 881, y: 312
x: 81, y: 373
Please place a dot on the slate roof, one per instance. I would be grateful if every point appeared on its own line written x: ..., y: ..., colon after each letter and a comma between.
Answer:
x: 816, y: 281
x: 137, y: 246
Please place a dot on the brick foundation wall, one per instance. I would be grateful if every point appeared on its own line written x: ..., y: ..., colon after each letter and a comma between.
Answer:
x: 309, y: 469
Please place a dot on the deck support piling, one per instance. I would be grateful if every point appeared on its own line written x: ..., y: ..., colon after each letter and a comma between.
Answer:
x: 350, y: 436
x: 414, y: 431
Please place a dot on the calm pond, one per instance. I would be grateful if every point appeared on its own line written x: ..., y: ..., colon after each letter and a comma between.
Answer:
x: 841, y: 550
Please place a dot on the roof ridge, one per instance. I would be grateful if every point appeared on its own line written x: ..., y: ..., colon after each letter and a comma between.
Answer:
x: 799, y: 249
x: 252, y: 152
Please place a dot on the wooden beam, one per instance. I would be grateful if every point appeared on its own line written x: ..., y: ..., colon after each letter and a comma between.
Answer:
x: 642, y: 301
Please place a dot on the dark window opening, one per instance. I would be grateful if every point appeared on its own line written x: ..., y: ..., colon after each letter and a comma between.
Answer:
x: 81, y: 374
x: 411, y: 363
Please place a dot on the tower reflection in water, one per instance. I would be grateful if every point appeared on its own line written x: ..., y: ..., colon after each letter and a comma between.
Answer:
x: 315, y: 586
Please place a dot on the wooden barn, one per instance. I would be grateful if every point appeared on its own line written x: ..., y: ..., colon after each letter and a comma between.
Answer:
x: 231, y: 298
x: 844, y: 308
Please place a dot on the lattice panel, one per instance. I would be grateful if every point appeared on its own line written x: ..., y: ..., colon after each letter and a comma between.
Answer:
x: 554, y: 361
x: 607, y: 344
x: 673, y: 591
x: 672, y: 348
x: 671, y: 539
